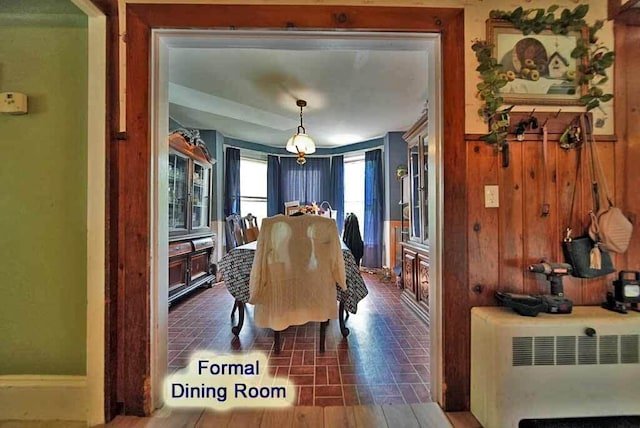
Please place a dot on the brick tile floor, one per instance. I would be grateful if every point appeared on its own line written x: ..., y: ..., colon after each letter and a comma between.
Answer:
x: 385, y: 359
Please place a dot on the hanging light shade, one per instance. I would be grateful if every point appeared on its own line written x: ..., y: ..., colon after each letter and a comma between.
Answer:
x: 301, y: 144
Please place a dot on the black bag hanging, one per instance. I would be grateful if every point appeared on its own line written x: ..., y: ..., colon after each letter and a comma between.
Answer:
x: 577, y: 252
x: 587, y: 259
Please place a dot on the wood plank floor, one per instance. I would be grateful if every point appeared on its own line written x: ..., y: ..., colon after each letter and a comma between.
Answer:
x: 423, y: 415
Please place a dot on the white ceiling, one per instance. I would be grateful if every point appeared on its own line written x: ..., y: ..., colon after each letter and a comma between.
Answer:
x: 245, y: 85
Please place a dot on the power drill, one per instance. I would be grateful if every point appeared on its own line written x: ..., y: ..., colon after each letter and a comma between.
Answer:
x: 556, y: 302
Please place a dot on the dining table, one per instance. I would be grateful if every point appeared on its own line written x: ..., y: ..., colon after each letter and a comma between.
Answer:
x: 236, y: 265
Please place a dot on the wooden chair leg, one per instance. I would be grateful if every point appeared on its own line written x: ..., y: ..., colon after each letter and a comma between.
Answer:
x: 342, y: 318
x: 238, y: 328
x: 235, y: 306
x: 276, y: 342
x: 323, y: 333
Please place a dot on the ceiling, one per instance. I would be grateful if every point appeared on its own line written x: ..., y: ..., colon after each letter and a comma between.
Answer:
x: 245, y: 85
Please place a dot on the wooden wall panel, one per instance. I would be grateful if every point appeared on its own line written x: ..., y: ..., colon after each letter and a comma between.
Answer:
x: 567, y: 180
x: 540, y: 231
x: 627, y: 92
x: 482, y: 226
x: 508, y: 239
x: 511, y: 228
x: 627, y: 117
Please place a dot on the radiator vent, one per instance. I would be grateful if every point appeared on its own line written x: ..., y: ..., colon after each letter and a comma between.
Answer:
x: 587, y: 348
x: 566, y: 350
x: 572, y: 350
x: 522, y: 351
x: 608, y: 349
x: 629, y: 349
x: 543, y: 348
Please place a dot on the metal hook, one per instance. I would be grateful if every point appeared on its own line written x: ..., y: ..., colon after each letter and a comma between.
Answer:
x: 557, y: 114
x: 532, y: 111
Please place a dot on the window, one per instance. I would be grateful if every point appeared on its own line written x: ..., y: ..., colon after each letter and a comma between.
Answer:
x: 354, y: 188
x: 253, y: 187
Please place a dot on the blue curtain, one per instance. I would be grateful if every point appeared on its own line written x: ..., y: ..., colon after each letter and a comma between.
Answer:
x: 232, y: 181
x: 337, y: 189
x: 308, y: 183
x: 274, y: 202
x: 373, y: 206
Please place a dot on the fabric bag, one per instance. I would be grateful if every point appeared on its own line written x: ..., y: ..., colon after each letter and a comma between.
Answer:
x: 609, y: 226
x: 578, y: 253
x: 611, y: 229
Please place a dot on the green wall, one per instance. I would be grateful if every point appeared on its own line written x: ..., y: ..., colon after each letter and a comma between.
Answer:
x: 43, y: 174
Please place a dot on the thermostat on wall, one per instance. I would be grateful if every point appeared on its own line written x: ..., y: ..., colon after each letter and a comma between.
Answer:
x: 13, y: 103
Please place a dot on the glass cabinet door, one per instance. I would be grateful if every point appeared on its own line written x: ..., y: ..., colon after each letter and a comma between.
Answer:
x: 415, y: 205
x: 200, y: 202
x: 177, y: 192
x: 417, y: 139
x: 424, y: 194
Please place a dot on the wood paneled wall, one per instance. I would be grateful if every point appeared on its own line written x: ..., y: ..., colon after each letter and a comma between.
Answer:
x: 503, y: 241
x: 627, y: 102
x: 485, y: 249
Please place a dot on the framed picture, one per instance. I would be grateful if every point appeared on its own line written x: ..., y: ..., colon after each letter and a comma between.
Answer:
x: 293, y: 209
x: 539, y: 67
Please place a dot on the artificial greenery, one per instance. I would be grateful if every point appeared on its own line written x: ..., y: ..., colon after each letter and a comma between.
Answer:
x: 592, y: 72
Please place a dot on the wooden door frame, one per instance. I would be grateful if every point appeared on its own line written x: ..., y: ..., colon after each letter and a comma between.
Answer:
x: 128, y: 353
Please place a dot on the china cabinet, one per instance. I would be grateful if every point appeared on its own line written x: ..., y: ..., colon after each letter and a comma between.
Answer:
x: 191, y: 241
x: 415, y: 251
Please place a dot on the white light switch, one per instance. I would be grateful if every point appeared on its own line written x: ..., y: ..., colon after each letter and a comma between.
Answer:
x: 491, y: 199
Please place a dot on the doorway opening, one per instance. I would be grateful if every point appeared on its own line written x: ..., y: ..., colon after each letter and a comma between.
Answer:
x: 165, y: 43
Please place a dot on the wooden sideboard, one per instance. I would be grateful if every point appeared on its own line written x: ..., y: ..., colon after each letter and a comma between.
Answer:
x: 190, y: 265
x: 415, y: 277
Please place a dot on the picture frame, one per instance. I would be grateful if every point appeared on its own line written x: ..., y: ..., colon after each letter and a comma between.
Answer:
x: 539, y: 67
x: 293, y: 209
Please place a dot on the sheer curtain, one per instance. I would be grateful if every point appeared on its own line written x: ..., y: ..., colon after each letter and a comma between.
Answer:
x: 231, y: 181
x: 308, y: 183
x: 274, y: 201
x: 373, y: 206
x: 337, y: 189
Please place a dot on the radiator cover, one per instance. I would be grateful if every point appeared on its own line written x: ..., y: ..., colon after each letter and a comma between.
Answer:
x: 548, y: 367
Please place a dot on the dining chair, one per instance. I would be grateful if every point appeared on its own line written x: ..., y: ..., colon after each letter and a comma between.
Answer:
x: 297, y: 264
x: 250, y: 228
x: 235, y: 238
x: 234, y: 231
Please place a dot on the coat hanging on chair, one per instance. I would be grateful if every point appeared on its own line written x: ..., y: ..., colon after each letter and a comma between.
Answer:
x: 352, y: 238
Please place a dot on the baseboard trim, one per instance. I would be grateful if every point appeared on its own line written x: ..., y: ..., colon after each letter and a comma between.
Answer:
x: 43, y: 397
x: 410, y: 301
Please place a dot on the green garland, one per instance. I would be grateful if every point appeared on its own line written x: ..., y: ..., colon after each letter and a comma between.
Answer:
x: 594, y: 73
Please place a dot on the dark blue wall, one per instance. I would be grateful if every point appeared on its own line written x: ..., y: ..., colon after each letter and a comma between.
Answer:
x: 395, y: 154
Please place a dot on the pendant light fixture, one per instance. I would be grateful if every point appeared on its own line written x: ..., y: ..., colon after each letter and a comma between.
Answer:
x: 301, y: 144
